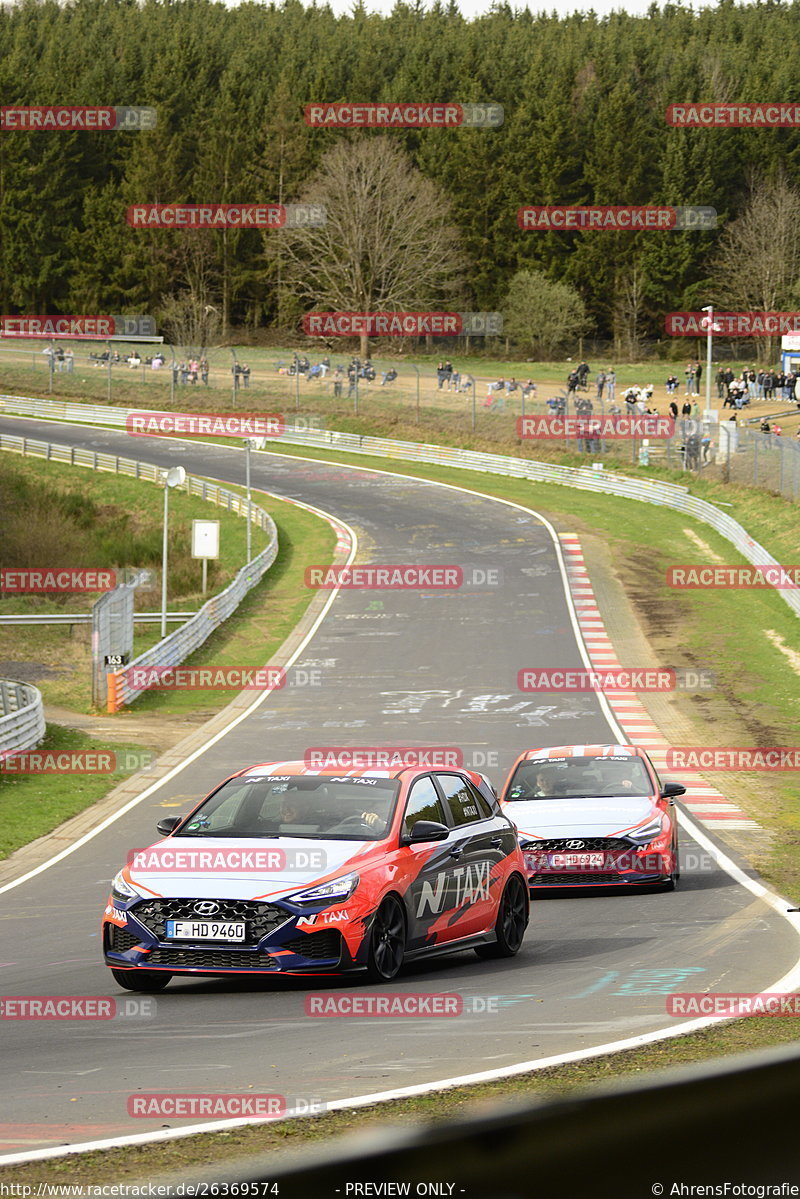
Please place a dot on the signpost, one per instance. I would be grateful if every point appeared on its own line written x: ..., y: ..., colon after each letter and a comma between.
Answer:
x: 205, y: 544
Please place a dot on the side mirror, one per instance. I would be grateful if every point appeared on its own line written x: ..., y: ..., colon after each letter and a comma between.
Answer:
x: 427, y: 830
x: 168, y: 824
x: 671, y: 789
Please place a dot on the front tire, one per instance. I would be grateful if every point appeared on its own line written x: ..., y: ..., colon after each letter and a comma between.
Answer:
x: 141, y: 980
x: 512, y: 920
x: 387, y: 941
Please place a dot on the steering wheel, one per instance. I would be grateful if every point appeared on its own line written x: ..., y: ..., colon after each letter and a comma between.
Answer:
x: 355, y: 819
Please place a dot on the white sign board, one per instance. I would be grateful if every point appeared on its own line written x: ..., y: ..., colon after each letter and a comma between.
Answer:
x: 790, y: 341
x: 205, y: 538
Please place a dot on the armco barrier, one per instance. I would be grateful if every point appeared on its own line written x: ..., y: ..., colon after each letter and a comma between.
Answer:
x: 176, y: 647
x: 668, y: 495
x: 22, y: 724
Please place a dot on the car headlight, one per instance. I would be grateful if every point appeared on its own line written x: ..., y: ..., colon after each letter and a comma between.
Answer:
x: 647, y: 832
x: 121, y: 888
x: 337, y: 890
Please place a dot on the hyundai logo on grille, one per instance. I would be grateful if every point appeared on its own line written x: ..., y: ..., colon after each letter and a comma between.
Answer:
x: 573, y: 844
x: 206, y: 908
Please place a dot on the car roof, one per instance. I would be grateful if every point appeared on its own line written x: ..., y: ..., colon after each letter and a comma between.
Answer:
x: 301, y: 768
x: 583, y: 751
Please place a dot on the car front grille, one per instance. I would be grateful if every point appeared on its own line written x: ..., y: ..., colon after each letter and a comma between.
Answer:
x: 316, y: 946
x: 260, y: 918
x: 210, y: 959
x: 567, y: 844
x: 121, y: 939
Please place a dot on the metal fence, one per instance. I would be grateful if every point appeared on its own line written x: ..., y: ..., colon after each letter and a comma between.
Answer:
x: 112, y: 633
x: 22, y: 724
x: 755, y: 459
x: 176, y: 647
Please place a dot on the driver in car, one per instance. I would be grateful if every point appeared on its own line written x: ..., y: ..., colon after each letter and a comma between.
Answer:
x: 349, y: 814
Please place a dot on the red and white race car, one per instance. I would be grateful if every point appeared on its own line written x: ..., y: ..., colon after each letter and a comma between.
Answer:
x: 593, y: 816
x: 284, y: 869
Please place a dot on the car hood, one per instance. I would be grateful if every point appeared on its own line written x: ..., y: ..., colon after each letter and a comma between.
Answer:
x: 580, y: 817
x: 246, y: 868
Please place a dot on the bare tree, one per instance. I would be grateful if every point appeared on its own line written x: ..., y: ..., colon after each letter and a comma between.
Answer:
x: 628, y: 310
x: 388, y: 244
x: 190, y: 322
x: 757, y: 266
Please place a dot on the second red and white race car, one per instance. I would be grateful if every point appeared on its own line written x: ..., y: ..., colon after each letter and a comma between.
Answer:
x: 593, y: 816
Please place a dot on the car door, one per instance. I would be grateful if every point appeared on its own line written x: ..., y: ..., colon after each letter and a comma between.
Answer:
x: 430, y: 867
x: 481, y: 840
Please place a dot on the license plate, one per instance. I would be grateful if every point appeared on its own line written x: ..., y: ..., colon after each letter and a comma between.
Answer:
x: 206, y: 930
x: 563, y: 861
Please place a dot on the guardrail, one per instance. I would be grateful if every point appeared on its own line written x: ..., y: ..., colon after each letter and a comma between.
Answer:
x: 585, y: 478
x: 22, y: 724
x: 71, y: 618
x: 176, y: 647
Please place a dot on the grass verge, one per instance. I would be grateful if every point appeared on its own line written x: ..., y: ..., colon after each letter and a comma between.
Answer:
x: 34, y: 804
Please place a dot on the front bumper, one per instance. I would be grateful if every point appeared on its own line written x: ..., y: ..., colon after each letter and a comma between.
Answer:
x: 273, y: 943
x: 610, y: 866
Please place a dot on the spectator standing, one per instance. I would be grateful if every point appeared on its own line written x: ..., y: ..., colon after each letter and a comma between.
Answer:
x: 611, y: 384
x: 600, y: 380
x: 722, y: 385
x: 698, y: 374
x: 689, y: 373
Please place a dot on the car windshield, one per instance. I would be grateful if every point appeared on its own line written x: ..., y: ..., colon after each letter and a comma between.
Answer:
x: 575, y: 778
x: 316, y: 806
